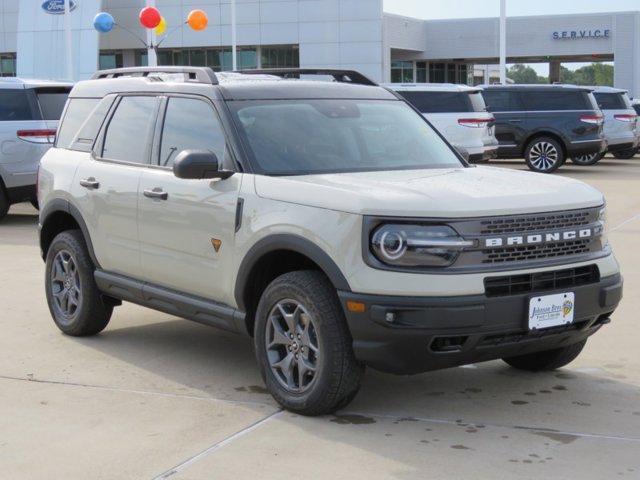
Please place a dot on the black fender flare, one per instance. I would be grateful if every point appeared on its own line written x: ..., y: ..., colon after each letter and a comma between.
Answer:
x: 65, y: 206
x: 293, y: 243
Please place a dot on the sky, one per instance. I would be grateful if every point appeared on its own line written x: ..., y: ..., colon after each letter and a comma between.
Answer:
x: 437, y: 9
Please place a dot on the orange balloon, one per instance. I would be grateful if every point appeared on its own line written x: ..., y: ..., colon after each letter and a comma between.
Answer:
x: 197, y: 19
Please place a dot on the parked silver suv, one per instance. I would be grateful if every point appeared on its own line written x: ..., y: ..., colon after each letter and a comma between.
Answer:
x: 327, y: 220
x: 29, y: 115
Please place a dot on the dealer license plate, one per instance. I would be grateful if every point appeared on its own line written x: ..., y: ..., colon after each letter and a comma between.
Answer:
x: 551, y: 310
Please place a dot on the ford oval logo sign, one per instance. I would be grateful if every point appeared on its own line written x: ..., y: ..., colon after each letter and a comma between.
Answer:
x: 56, y: 7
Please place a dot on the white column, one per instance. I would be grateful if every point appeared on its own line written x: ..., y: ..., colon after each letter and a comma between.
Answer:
x: 152, y: 58
x: 503, y: 41
x: 234, y: 58
x: 68, y: 42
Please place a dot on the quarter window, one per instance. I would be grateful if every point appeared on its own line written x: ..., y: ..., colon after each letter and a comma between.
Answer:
x: 77, y: 112
x: 127, y: 138
x: 190, y: 124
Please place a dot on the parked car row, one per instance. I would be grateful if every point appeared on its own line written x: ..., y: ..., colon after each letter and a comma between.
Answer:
x: 29, y: 115
x: 545, y: 124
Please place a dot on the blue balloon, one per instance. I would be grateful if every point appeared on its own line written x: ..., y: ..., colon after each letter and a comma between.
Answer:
x: 103, y: 22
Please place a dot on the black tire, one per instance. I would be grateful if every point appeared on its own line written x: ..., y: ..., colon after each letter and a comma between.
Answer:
x: 544, y: 155
x: 4, y: 202
x: 548, y: 359
x: 587, y: 159
x: 91, y: 315
x: 626, y: 154
x: 336, y: 379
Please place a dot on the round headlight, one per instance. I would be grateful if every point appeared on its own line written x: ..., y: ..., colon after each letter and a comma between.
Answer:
x: 392, y: 244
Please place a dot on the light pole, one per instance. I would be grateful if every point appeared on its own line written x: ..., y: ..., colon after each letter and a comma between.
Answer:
x: 68, y: 43
x: 503, y: 42
x: 234, y: 59
x: 152, y: 57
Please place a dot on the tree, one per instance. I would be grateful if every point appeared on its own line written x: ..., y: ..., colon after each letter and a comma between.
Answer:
x: 594, y: 74
x: 524, y: 74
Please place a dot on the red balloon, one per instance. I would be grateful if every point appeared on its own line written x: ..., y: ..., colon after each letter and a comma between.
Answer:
x: 150, y: 17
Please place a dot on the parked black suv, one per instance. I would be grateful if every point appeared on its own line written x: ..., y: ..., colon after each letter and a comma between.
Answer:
x: 545, y: 123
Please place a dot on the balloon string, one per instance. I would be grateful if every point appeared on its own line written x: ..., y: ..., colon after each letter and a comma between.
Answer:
x: 130, y: 32
x: 166, y: 35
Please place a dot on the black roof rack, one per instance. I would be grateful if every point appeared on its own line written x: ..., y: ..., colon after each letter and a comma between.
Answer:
x: 344, y: 76
x: 191, y: 74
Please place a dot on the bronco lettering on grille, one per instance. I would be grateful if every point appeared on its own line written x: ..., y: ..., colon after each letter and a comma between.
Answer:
x: 540, y: 238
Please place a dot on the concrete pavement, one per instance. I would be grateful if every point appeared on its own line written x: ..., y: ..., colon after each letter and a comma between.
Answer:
x: 158, y: 397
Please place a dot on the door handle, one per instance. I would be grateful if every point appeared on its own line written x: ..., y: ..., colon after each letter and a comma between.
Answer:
x: 90, y: 183
x: 515, y: 121
x: 156, y: 193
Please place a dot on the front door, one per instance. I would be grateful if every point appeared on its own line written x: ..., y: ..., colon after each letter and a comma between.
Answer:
x: 187, y: 227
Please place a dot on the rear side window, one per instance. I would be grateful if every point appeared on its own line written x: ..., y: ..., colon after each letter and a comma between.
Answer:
x: 502, y: 100
x: 15, y: 105
x: 556, y: 100
x: 438, y: 102
x: 611, y: 101
x: 127, y: 138
x: 77, y: 113
x: 52, y: 101
x: 190, y: 124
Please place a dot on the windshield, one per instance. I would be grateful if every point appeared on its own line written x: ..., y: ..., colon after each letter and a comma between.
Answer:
x: 297, y: 137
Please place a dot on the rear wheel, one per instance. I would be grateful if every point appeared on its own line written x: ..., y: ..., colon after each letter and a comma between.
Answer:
x: 544, y: 155
x: 548, y: 359
x: 75, y: 303
x: 587, y: 159
x: 626, y: 154
x: 303, y: 345
x: 4, y: 202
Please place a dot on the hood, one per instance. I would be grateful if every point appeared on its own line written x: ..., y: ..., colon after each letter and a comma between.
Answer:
x: 460, y: 192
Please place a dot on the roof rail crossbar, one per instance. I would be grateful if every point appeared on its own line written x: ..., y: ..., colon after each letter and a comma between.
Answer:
x: 344, y: 76
x: 192, y: 74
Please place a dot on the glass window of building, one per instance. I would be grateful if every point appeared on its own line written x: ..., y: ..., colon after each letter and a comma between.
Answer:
x: 401, y: 72
x: 110, y: 59
x: 436, y: 73
x: 7, y: 64
x: 286, y: 56
x: 421, y: 72
x: 462, y: 74
x: 451, y: 72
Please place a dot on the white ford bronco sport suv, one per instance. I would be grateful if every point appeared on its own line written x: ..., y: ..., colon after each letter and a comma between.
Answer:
x: 328, y: 220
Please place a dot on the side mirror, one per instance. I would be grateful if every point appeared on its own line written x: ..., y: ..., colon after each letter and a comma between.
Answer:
x: 463, y: 152
x: 198, y: 165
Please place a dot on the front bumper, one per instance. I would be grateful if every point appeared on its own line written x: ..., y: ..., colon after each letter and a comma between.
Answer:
x: 430, y: 333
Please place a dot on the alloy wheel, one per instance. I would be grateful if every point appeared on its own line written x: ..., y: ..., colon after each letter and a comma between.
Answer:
x: 586, y: 159
x: 543, y: 156
x: 65, y: 285
x: 292, y: 345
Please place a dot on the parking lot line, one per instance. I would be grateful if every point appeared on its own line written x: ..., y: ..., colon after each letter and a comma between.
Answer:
x: 217, y: 446
x: 628, y: 220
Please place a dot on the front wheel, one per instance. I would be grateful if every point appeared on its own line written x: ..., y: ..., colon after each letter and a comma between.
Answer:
x: 548, y: 359
x: 544, y: 155
x: 303, y: 346
x: 626, y: 154
x: 587, y: 159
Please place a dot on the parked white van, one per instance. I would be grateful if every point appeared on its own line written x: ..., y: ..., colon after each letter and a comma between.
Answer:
x: 458, y: 112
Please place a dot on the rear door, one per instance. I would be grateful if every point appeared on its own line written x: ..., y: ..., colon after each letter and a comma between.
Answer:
x: 510, y: 119
x: 187, y: 227
x: 105, y: 187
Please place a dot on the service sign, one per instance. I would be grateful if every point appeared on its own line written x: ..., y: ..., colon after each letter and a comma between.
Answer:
x: 56, y: 7
x: 581, y: 34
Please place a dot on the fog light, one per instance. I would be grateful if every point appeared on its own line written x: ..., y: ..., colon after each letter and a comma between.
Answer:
x: 390, y: 317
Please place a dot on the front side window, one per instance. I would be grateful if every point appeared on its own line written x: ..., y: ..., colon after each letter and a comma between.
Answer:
x: 15, y: 105
x: 190, y: 124
x: 128, y: 135
x: 297, y: 137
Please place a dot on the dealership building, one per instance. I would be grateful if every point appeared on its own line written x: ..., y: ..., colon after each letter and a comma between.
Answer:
x: 354, y: 34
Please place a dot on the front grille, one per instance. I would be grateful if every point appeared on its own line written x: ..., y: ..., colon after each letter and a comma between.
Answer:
x: 541, y: 281
x: 530, y: 223
x: 536, y: 252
